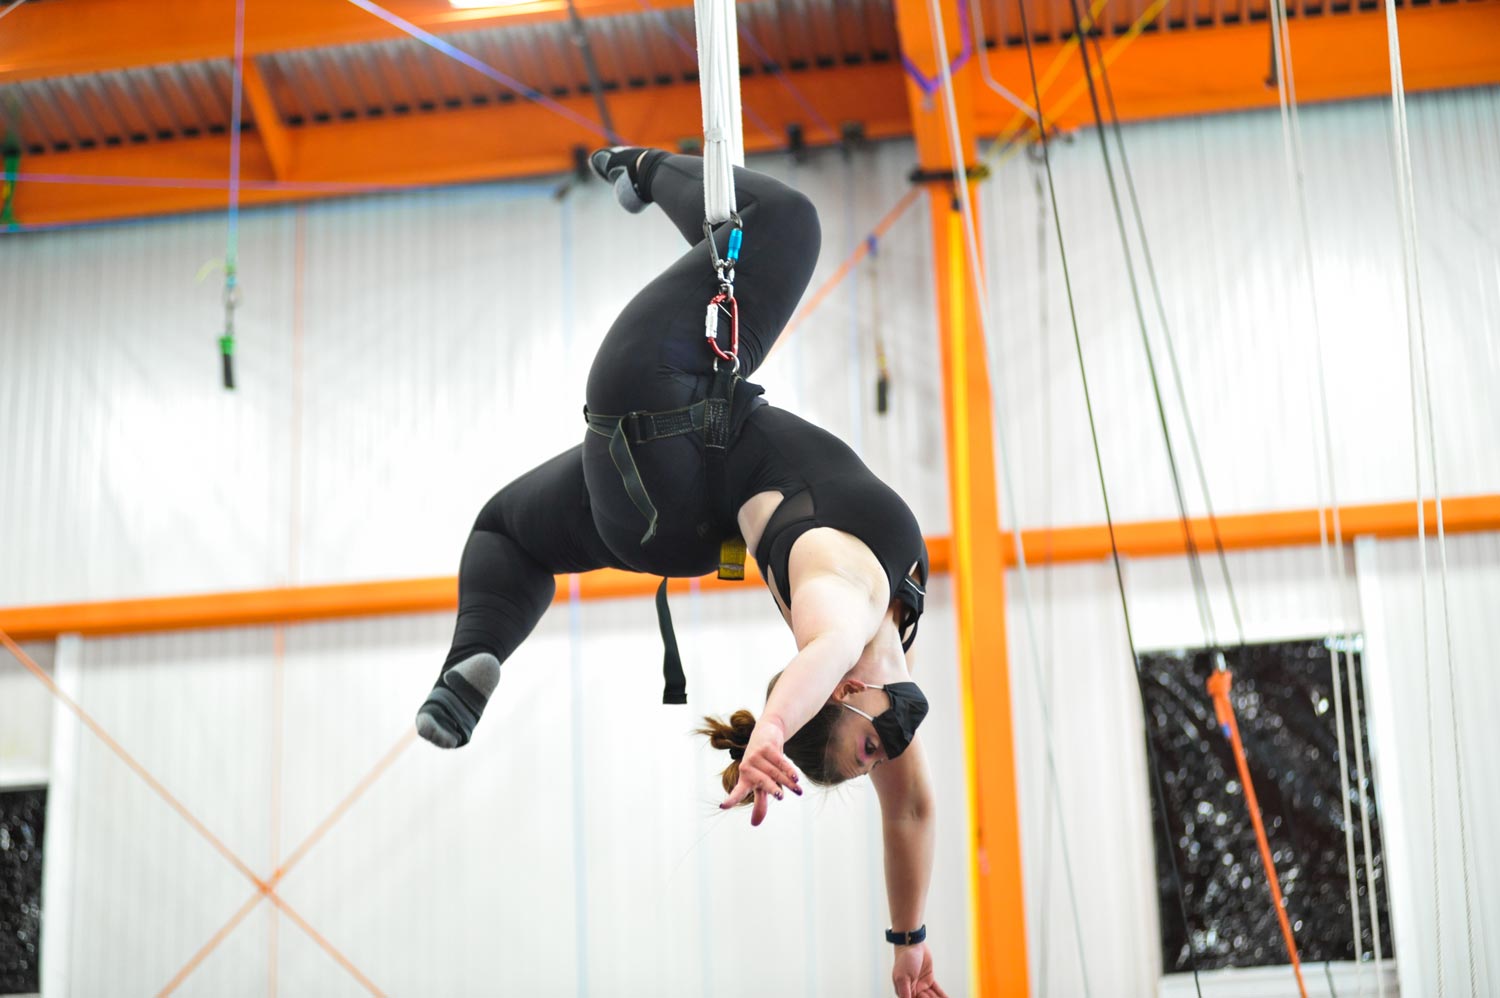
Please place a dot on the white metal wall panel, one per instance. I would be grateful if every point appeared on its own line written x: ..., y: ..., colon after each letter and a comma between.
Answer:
x: 128, y: 470
x: 400, y: 358
x: 25, y: 719
x: 1223, y: 234
x: 1420, y: 756
x: 455, y: 873
x: 147, y: 890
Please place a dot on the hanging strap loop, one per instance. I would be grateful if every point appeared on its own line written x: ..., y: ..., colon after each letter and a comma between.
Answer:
x: 723, y: 130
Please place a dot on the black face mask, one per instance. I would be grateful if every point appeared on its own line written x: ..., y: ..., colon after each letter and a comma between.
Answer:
x: 898, y: 725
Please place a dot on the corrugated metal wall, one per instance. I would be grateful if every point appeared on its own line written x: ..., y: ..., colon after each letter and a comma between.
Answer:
x: 1218, y: 216
x: 390, y: 351
x: 400, y: 358
x: 1220, y: 219
x: 1434, y: 755
x: 457, y: 873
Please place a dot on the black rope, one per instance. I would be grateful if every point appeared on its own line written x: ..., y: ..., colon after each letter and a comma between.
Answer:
x: 1166, y: 330
x: 1194, y: 556
x: 1194, y: 565
x: 1103, y: 486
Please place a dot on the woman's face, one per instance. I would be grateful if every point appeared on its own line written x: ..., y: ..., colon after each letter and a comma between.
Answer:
x: 855, y: 746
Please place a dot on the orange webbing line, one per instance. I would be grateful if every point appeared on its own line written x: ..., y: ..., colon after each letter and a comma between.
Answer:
x: 263, y: 888
x: 1218, y: 689
x: 385, y: 763
x: 211, y: 945
x: 129, y: 760
x: 847, y: 267
x: 328, y: 947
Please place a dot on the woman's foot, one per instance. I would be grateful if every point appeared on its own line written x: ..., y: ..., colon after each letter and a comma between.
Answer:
x: 621, y: 166
x: 450, y: 712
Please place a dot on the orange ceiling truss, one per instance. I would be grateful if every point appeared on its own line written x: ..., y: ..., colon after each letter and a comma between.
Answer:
x: 338, y: 100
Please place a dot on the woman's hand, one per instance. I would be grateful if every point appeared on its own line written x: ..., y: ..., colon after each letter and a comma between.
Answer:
x: 764, y: 771
x: 913, y: 973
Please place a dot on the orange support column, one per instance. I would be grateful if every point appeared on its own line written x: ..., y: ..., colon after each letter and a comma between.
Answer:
x: 977, y: 559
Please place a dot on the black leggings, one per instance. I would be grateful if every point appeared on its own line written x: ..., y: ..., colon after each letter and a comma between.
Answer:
x: 571, y: 514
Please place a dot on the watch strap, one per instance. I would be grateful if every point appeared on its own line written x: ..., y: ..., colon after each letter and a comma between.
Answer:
x: 911, y: 938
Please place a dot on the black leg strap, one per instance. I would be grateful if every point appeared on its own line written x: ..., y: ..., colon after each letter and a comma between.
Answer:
x: 675, y: 689
x: 630, y: 475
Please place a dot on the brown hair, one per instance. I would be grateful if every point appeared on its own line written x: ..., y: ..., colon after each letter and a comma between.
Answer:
x: 809, y: 748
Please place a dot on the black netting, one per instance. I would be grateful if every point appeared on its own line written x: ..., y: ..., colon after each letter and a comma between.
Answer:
x: 22, y: 819
x: 1283, y: 700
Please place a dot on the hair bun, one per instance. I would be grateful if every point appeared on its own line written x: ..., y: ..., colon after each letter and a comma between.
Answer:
x: 732, y: 735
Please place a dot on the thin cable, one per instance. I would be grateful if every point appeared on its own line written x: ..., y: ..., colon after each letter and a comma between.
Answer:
x: 1417, y: 350
x: 976, y: 11
x: 1195, y: 567
x: 12, y: 7
x: 252, y: 184
x: 1194, y: 563
x: 976, y: 275
x: 1200, y: 587
x: 1108, y: 514
x: 479, y: 66
x: 232, y: 249
x: 1043, y: 337
x: 1356, y: 725
x: 1291, y: 133
x: 1166, y: 332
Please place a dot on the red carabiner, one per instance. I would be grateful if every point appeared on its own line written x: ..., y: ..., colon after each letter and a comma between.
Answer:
x: 727, y: 303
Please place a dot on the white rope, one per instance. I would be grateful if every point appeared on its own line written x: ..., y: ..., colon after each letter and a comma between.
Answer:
x: 12, y: 7
x: 976, y: 275
x: 723, y: 124
x: 1291, y: 133
x: 976, y: 11
x: 1416, y: 331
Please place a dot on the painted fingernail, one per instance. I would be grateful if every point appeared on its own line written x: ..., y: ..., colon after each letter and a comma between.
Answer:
x: 778, y: 796
x: 797, y: 791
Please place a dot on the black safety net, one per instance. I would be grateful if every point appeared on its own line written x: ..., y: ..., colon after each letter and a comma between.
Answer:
x: 1283, y: 700
x: 22, y: 817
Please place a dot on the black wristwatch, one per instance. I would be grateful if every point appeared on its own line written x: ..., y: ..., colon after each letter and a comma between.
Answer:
x: 906, y: 938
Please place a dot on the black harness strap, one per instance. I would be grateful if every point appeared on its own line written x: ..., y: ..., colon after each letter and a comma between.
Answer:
x: 674, y: 689
x: 714, y: 417
x: 911, y: 593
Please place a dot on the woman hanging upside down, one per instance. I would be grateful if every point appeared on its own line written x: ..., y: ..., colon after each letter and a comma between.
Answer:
x: 681, y: 455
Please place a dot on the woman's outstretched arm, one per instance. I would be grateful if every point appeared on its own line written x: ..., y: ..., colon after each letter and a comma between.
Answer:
x: 907, y: 824
x: 832, y: 620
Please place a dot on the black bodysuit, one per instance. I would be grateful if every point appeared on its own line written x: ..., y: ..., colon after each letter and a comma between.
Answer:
x: 573, y: 513
x: 825, y: 484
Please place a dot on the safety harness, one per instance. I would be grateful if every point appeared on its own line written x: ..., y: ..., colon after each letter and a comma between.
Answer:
x: 717, y: 418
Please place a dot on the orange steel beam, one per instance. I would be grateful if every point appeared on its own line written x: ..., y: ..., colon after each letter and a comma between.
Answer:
x: 1055, y: 546
x: 467, y: 145
x: 272, y: 131
x: 1226, y: 68
x: 997, y: 905
x: 1153, y: 75
x: 90, y: 36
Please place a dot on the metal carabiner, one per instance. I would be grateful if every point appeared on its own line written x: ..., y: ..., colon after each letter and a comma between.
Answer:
x: 721, y: 265
x: 723, y: 301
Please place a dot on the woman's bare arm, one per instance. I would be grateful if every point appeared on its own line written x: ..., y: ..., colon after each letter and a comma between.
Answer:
x: 908, y: 831
x: 907, y: 823
x: 832, y: 620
